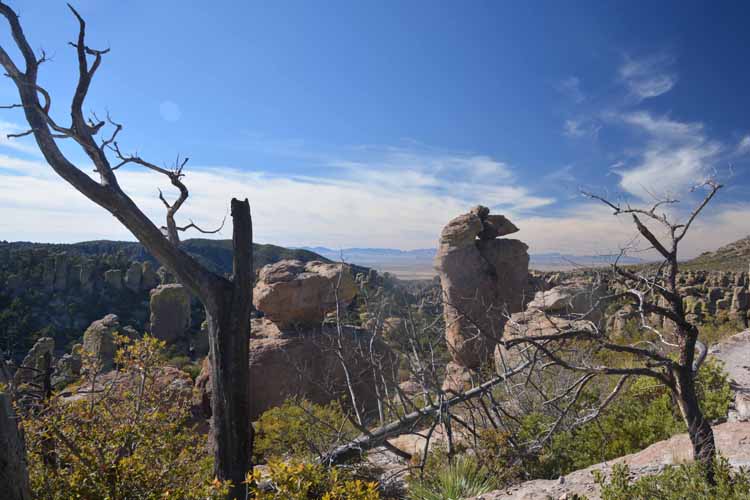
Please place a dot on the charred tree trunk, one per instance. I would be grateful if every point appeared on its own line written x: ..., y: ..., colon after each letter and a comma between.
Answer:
x: 228, y: 302
x: 699, y: 429
x: 229, y: 335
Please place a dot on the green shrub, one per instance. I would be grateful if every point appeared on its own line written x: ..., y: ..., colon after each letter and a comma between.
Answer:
x: 305, y: 481
x: 462, y: 479
x: 684, y: 482
x: 300, y: 429
x: 642, y: 415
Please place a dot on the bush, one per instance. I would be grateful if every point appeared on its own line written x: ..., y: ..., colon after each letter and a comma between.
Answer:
x: 642, y: 415
x: 304, y: 481
x: 131, y: 441
x: 684, y: 482
x: 462, y: 479
x: 300, y: 429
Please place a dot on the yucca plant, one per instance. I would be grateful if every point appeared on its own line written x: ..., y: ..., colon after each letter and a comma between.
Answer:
x: 463, y: 478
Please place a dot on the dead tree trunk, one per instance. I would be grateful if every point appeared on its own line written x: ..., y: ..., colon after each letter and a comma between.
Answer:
x: 228, y: 302
x: 699, y: 429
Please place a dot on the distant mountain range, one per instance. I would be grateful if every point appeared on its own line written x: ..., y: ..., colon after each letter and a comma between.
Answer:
x: 418, y: 264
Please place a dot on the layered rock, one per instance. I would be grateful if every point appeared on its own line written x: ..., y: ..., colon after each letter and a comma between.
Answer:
x: 295, y: 294
x: 170, y: 312
x: 483, y: 279
x: 98, y: 339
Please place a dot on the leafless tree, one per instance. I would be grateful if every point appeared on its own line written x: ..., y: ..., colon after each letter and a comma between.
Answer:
x: 653, y: 291
x: 228, y: 303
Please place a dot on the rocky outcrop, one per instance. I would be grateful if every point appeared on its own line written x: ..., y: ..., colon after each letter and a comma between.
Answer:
x: 170, y: 312
x: 483, y: 278
x: 14, y: 478
x: 731, y: 441
x: 291, y: 363
x: 36, y: 361
x: 98, y: 339
x: 295, y: 294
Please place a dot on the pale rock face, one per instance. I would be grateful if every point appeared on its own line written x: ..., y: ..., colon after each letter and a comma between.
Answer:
x: 482, y: 278
x: 34, y: 361
x: 170, y: 312
x: 292, y: 293
x: 98, y: 339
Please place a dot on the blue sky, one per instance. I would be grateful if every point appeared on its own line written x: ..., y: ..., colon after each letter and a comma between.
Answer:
x: 373, y: 123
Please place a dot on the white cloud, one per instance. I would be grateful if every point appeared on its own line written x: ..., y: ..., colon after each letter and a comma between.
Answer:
x: 17, y: 143
x: 677, y: 155
x: 397, y: 198
x: 649, y: 76
x: 744, y: 145
x: 581, y: 127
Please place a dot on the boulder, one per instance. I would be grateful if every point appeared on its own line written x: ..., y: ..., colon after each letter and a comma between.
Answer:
x: 36, y: 361
x: 99, y: 340
x: 482, y: 279
x: 68, y: 368
x: 292, y: 293
x: 170, y: 312
x: 286, y: 364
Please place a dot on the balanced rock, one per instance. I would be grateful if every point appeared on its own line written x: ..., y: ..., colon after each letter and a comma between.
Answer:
x: 99, y: 340
x: 483, y: 279
x: 293, y: 293
x: 170, y: 312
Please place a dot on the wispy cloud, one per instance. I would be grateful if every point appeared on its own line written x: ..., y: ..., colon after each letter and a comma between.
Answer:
x: 571, y: 88
x: 676, y: 156
x: 581, y: 127
x: 648, y: 77
x: 381, y: 197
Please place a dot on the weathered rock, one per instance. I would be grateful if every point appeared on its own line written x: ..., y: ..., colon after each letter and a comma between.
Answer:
x: 293, y: 293
x: 133, y: 276
x: 98, y: 339
x: 34, y: 363
x: 170, y: 312
x: 149, y: 278
x: 304, y: 364
x: 482, y: 279
x: 14, y: 478
x: 68, y: 368
x: 113, y: 278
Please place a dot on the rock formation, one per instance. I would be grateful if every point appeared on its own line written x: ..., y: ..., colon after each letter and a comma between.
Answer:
x: 14, y: 478
x: 133, y: 276
x: 291, y: 293
x: 483, y: 278
x: 291, y: 363
x: 98, y: 339
x: 170, y: 312
x: 35, y: 363
x: 292, y: 353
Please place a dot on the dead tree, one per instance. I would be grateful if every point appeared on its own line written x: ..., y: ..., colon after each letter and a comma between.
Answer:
x: 670, y: 351
x: 228, y: 303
